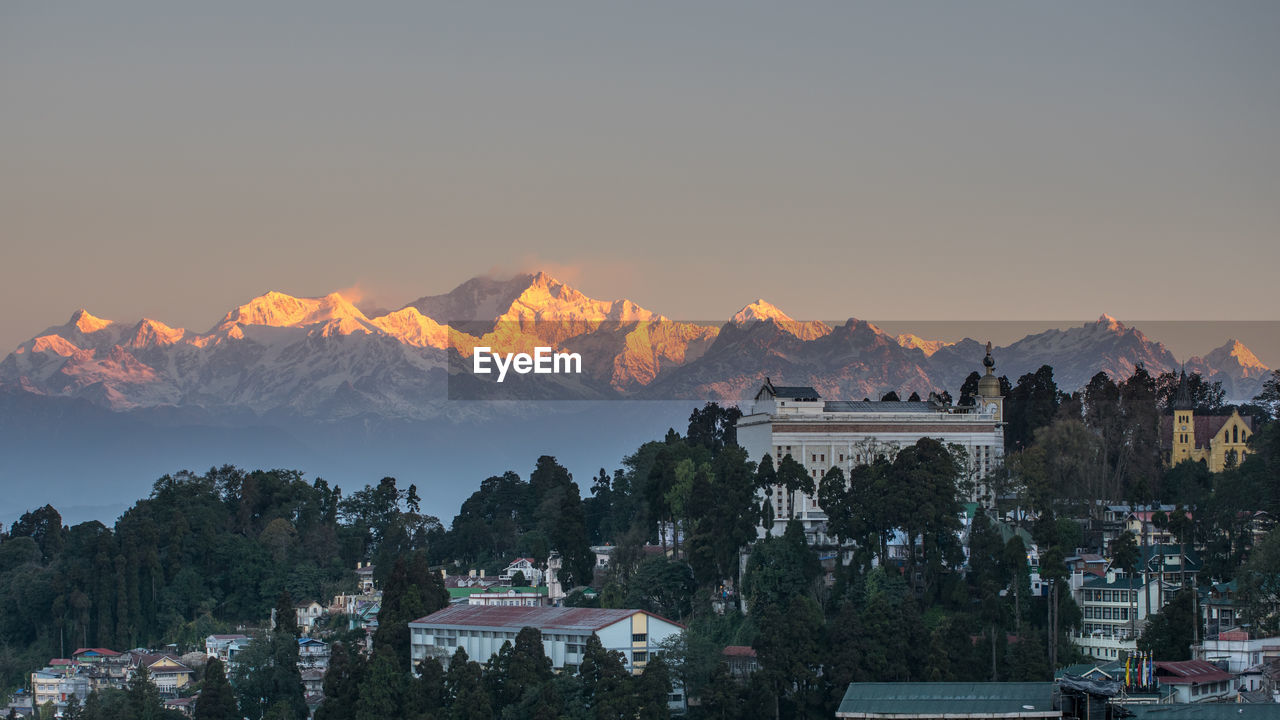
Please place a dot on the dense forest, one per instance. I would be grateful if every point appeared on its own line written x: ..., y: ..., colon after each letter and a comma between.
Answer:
x: 207, y: 552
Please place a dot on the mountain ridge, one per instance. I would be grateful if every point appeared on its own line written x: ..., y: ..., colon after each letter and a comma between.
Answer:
x: 318, y: 355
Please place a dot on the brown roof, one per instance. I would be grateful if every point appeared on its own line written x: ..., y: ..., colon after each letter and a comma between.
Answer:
x: 1205, y: 427
x: 149, y: 660
x: 739, y: 651
x: 1190, y: 672
x: 520, y: 616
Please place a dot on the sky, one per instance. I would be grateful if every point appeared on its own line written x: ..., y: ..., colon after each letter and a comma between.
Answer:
x: 932, y: 160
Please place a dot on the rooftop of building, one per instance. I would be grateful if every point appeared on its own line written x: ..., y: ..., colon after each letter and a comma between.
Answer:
x: 952, y: 699
x: 1204, y: 427
x: 874, y: 406
x: 1190, y: 672
x: 462, y: 592
x: 515, y: 617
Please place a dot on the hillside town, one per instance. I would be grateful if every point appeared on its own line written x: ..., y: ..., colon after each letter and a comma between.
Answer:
x: 981, y: 533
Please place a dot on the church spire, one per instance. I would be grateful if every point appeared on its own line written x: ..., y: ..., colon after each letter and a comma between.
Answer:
x: 1182, y: 400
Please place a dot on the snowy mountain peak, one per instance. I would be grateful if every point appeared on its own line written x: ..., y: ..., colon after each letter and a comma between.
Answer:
x: 1110, y: 323
x: 762, y: 311
x: 758, y: 311
x: 413, y: 328
x: 86, y: 323
x: 928, y: 347
x: 1234, y: 352
x: 153, y: 332
x: 276, y: 309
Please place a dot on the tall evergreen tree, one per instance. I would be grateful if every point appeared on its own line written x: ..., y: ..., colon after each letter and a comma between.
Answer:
x: 216, y: 700
x: 653, y: 689
x: 144, y: 698
x: 382, y: 692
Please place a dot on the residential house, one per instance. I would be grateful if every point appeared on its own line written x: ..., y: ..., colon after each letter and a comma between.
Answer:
x: 1134, y: 519
x: 1112, y: 608
x: 740, y: 660
x: 1218, y: 608
x: 1194, y: 680
x: 307, y: 614
x: 313, y: 653
x: 219, y: 646
x: 1235, y: 652
x: 105, y: 668
x: 168, y: 673
x: 364, y: 577
x: 526, y: 566
x: 56, y: 683
x: 313, y: 685
x: 184, y: 705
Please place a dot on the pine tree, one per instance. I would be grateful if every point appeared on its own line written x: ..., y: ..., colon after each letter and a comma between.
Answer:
x: 468, y: 699
x: 382, y: 692
x: 652, y: 690
x: 144, y: 698
x: 341, y: 684
x: 216, y: 701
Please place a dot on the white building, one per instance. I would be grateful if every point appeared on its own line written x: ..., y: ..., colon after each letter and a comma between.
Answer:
x: 56, y: 684
x: 508, y: 598
x: 307, y: 614
x: 482, y: 629
x: 822, y: 434
x: 1113, y: 609
x: 1236, y: 652
x: 219, y: 646
x: 526, y: 566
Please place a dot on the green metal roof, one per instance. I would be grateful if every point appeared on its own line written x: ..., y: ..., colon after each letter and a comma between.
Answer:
x: 1123, y: 583
x: 954, y: 700
x: 461, y: 592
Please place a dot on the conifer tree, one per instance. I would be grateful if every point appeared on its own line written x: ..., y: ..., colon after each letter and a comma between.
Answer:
x: 216, y: 700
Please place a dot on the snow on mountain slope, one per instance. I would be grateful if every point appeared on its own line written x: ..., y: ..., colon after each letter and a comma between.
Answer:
x: 323, y: 358
x: 762, y: 311
x: 1235, y: 366
x: 928, y: 347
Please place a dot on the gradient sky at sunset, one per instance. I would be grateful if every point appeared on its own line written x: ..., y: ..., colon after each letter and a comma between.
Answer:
x: 909, y: 160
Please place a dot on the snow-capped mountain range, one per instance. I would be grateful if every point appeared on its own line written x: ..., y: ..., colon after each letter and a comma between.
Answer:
x: 324, y: 359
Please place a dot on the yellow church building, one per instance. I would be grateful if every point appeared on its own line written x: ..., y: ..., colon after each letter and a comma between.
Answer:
x: 1220, y: 441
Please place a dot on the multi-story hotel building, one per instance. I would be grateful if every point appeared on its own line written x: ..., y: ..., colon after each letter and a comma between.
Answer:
x: 821, y: 434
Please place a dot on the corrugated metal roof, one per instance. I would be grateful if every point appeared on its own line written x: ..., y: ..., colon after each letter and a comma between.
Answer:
x: 795, y: 392
x: 955, y: 700
x: 543, y: 618
x: 458, y: 592
x: 873, y: 406
x: 1189, y: 672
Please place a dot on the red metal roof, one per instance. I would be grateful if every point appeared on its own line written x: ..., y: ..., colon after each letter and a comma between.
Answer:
x: 101, y: 651
x: 1190, y: 672
x: 543, y: 618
